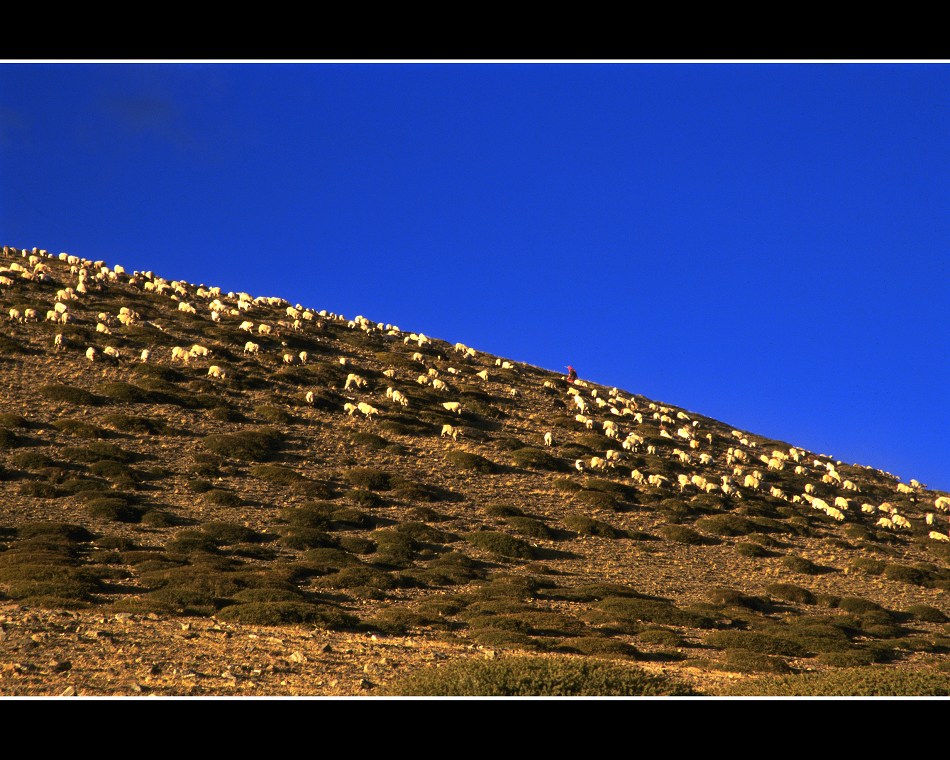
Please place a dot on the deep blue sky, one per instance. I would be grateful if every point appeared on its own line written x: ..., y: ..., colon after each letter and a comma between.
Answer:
x: 766, y: 244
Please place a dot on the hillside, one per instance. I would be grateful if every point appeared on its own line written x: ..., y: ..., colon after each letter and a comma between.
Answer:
x: 167, y: 531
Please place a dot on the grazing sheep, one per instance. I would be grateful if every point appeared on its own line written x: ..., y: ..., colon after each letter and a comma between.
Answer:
x: 842, y: 503
x: 103, y: 328
x: 884, y: 522
x: 598, y: 463
x: 439, y: 385
x: 929, y: 518
x: 579, y: 465
x: 390, y: 373
x: 683, y: 481
x: 187, y: 307
x: 809, y: 488
x: 354, y: 380
x: 849, y: 485
x: 197, y: 350
x: 751, y: 482
x: 145, y: 355
x: 942, y: 503
x: 903, y: 488
x: 289, y: 358
x: 612, y: 455
x: 587, y: 422
x: 180, y: 352
x: 350, y: 408
x: 483, y: 374
x: 91, y: 354
x: 246, y: 326
x: 251, y: 348
x: 423, y: 380
x: 868, y: 509
x: 778, y: 493
x: 651, y: 449
x: 112, y: 352
x: 450, y: 430
x: 916, y: 484
x: 58, y: 341
x: 835, y: 513
x: 638, y: 476
x: 548, y: 439
x: 308, y: 397
x: 29, y: 315
x: 215, y: 371
x: 453, y: 406
x: 367, y: 409
x: 399, y: 398
x: 15, y: 315
x: 658, y: 481
x: 263, y: 329
x: 937, y: 536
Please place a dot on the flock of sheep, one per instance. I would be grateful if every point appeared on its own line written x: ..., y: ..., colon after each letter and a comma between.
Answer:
x: 729, y: 465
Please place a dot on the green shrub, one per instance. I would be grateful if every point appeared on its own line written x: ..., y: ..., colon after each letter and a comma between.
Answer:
x: 566, y: 485
x: 851, y: 682
x: 365, y: 499
x: 536, y: 459
x: 501, y: 544
x: 598, y: 646
x: 249, y: 445
x: 121, y: 391
x: 224, y: 532
x: 751, y: 550
x: 528, y: 526
x: 160, y: 518
x: 858, y: 606
x: 284, y: 613
x: 905, y: 574
x: 653, y: 611
x: 683, y: 535
x: 503, y: 510
x: 97, y: 451
x: 596, y: 500
x: 40, y: 490
x: 370, y: 441
x: 789, y: 592
x: 130, y: 423
x: 221, y: 498
x: 587, y: 526
x: 273, y: 414
x: 368, y: 478
x: 117, y: 472
x: 661, y: 637
x: 9, y: 439
x: 926, y: 613
x: 277, y: 474
x: 801, y: 565
x: 745, y: 661
x: 31, y: 460
x: 117, y: 510
x: 867, y: 565
x: 67, y: 532
x: 70, y: 395
x: 726, y: 525
x: 728, y: 597
x: 191, y: 541
x: 754, y: 642
x: 534, y: 676
x: 9, y: 420
x: 466, y: 460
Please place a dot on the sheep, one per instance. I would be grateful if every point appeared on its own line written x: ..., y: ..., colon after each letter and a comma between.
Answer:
x: 263, y: 329
x: 354, y: 380
x: 197, y: 350
x: 187, y: 307
x: 658, y: 481
x: 450, y: 430
x: 612, y: 455
x: 251, y: 348
x: 399, y: 398
x: 179, y: 352
x: 937, y: 536
x: 15, y: 315
x: 91, y: 354
x: 632, y: 442
x: 579, y: 465
x: 774, y: 463
x: 439, y: 385
x: 390, y: 373
x: 836, y: 514
x: 29, y: 315
x: 809, y: 488
x: 289, y: 358
x: 705, y: 459
x: 423, y: 380
x: 638, y: 476
x: 598, y: 463
x: 751, y: 482
x: 483, y: 374
x: 58, y: 341
x: 246, y: 326
x: 453, y: 406
x: 916, y: 484
x: 900, y: 521
x: 548, y: 439
x: 417, y: 357
x: 350, y: 408
x: 587, y: 422
x: 651, y: 450
x: 103, y: 328
x: 112, y: 352
x: 683, y: 481
x: 842, y: 502
x: 868, y: 509
x: 367, y: 410
x: 884, y: 522
x: 942, y: 503
x: 848, y: 485
x: 215, y: 371
x: 143, y: 357
x: 903, y: 488
x: 778, y: 493
x: 309, y: 398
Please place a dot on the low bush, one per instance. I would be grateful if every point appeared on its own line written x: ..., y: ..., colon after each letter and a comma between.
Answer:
x: 536, y: 459
x: 284, y: 613
x: 926, y: 613
x: 277, y: 474
x: 70, y: 395
x: 801, y: 565
x: 532, y: 528
x: 867, y: 565
x: 534, y: 676
x: 466, y: 460
x: 746, y: 661
x: 905, y: 574
x: 273, y: 414
x: 116, y: 510
x: 727, y: 525
x: 368, y: 478
x: 501, y: 544
x: 588, y: 526
x: 220, y: 498
x: 684, y: 535
x: 850, y: 682
x: 249, y: 445
x: 789, y: 592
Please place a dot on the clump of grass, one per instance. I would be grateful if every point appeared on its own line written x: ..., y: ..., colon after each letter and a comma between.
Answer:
x: 369, y: 478
x: 273, y: 414
x: 867, y: 565
x: 285, y: 613
x: 115, y: 510
x: 536, y: 459
x: 249, y: 445
x: 597, y: 500
x: 789, y: 592
x: 926, y: 613
x: 682, y: 534
x: 532, y: 528
x: 535, y: 676
x: 370, y: 441
x: 10, y: 420
x: 365, y: 499
x: 97, y: 451
x: 801, y: 565
x: 566, y: 485
x: 599, y: 646
x: 754, y: 641
x: 190, y: 542
x: 752, y: 550
x: 70, y: 395
x: 121, y: 391
x: 160, y: 518
x: 905, y: 574
x: 31, y: 460
x: 116, y: 472
x: 501, y: 544
x: 466, y: 460
x: 131, y: 423
x: 224, y: 532
x: 277, y: 474
x: 850, y: 682
x: 653, y: 611
x: 663, y: 637
x: 745, y: 661
x: 503, y: 510
x: 221, y: 498
x: 588, y: 526
x: 726, y: 525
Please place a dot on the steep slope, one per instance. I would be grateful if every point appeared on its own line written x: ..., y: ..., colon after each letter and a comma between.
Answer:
x: 179, y: 512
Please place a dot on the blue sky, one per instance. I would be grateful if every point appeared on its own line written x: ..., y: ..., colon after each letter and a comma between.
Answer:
x: 766, y: 244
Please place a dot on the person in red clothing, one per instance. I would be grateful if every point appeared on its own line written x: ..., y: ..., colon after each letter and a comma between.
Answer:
x: 571, y: 374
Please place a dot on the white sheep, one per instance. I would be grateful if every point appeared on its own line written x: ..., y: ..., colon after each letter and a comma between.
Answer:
x: 658, y: 481
x: 638, y: 476
x: 842, y: 503
x: 400, y: 398
x: 751, y: 482
x: 112, y: 352
x: 868, y: 509
x: 353, y: 379
x: 579, y: 465
x: 145, y: 355
x: 483, y: 374
x: 91, y: 354
x: 289, y: 358
x: 884, y: 522
x: 215, y: 371
x: 263, y: 329
x: 937, y: 536
x: 197, y: 350
x: 350, y: 408
x: 942, y: 503
x: 439, y: 385
x: 453, y: 406
x: 929, y: 518
x: 548, y: 439
x: 598, y: 463
x: 180, y: 352
x: 309, y: 397
x: 903, y: 488
x: 101, y: 327
x: 450, y: 430
x: 900, y: 521
x: 251, y: 348
x: 246, y: 326
x: 587, y: 422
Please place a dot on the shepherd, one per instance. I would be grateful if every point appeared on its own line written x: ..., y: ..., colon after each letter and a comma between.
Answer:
x: 571, y: 374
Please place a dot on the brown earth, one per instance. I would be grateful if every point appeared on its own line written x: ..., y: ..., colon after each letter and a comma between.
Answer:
x: 148, y: 622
